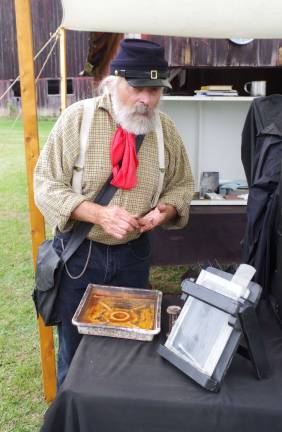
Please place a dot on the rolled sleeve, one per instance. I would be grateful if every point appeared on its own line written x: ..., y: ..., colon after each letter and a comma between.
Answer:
x: 54, y: 169
x: 71, y: 202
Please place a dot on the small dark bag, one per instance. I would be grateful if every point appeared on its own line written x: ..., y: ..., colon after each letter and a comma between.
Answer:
x: 50, y: 266
x: 47, y: 279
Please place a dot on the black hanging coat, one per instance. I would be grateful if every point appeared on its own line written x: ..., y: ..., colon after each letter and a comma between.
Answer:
x: 261, y: 158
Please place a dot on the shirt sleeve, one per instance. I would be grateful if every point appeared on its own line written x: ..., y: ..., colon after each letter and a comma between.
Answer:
x: 178, y: 187
x: 54, y: 169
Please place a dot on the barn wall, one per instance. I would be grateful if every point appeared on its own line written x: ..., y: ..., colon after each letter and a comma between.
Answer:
x: 46, y: 17
x: 201, y: 57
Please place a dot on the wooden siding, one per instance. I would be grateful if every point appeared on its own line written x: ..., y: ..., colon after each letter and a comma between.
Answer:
x: 219, y: 52
x: 48, y: 105
x: 8, y: 44
x: 6, y: 102
x: 205, y: 61
x: 46, y: 17
x: 180, y: 51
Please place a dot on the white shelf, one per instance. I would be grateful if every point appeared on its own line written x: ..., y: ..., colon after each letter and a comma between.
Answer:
x: 211, y: 129
x: 218, y: 202
x: 209, y: 98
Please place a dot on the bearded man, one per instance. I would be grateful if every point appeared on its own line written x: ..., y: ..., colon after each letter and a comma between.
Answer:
x: 117, y: 249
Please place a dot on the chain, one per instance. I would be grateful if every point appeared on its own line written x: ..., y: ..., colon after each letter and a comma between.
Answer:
x: 86, y: 264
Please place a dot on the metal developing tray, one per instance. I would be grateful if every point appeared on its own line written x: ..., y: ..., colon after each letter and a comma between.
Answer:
x: 119, y: 309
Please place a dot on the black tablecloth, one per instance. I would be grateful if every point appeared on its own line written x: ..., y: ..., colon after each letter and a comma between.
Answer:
x: 118, y: 385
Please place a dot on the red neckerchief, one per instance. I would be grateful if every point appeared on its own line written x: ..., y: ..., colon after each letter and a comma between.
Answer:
x: 123, y: 149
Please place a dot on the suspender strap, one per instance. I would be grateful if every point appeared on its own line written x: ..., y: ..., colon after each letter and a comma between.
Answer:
x: 89, y: 107
x: 161, y: 153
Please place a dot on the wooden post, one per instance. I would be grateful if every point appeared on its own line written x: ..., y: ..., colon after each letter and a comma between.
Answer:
x: 63, y: 68
x: 28, y: 98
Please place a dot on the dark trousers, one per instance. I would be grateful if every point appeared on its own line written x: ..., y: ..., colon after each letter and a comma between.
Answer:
x: 124, y: 265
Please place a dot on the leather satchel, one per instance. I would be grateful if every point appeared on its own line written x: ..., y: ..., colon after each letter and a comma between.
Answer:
x: 47, y: 280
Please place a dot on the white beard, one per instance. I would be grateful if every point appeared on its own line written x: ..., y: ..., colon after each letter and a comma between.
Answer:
x: 139, y: 120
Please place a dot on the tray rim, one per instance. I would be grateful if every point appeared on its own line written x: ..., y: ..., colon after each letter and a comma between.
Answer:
x: 157, y: 322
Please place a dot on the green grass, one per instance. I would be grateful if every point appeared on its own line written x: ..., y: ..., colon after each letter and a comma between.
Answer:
x: 22, y: 405
x: 21, y: 402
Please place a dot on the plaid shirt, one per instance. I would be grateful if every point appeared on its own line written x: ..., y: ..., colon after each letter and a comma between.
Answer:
x: 53, y: 173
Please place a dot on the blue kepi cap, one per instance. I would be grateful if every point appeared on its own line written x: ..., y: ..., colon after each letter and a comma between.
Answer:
x: 142, y: 63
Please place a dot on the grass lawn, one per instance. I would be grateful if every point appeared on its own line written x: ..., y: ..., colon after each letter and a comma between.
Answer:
x: 21, y: 402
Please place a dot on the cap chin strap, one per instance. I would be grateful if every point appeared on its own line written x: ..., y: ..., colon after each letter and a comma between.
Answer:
x: 89, y: 107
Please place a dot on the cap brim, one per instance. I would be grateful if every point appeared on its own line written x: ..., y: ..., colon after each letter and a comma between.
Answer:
x: 149, y: 83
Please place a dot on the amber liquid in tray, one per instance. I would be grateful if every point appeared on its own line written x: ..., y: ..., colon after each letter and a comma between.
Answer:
x: 120, y: 312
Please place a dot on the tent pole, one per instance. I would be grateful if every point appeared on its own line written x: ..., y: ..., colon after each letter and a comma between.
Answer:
x: 63, y: 68
x: 28, y: 98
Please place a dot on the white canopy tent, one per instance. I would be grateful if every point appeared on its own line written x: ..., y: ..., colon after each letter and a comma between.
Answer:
x: 189, y: 18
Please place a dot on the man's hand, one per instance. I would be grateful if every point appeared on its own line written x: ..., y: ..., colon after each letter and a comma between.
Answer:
x: 114, y: 220
x: 117, y: 222
x: 160, y: 215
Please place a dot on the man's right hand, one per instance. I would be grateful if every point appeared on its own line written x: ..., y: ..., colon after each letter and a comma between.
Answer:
x: 116, y: 221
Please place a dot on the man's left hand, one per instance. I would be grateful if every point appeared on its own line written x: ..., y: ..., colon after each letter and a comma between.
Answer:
x: 158, y: 216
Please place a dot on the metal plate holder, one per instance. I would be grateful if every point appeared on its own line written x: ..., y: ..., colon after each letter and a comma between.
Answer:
x: 245, y: 337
